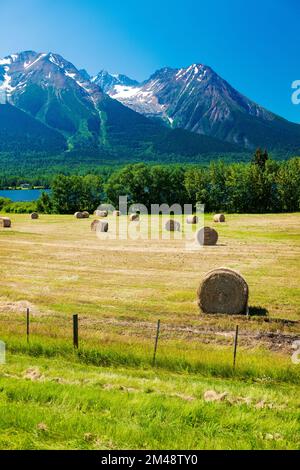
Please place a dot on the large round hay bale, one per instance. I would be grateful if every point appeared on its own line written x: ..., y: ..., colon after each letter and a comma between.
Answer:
x: 85, y: 214
x: 223, y: 291
x: 207, y: 236
x: 172, y: 226
x: 116, y: 213
x: 34, y: 215
x: 192, y: 219
x: 134, y: 217
x: 219, y: 218
x: 100, y: 213
x: 78, y: 215
x: 99, y: 226
x: 5, y: 222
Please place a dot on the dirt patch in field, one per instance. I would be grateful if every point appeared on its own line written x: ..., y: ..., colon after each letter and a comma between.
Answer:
x: 16, y: 307
x: 211, y: 396
x: 33, y: 374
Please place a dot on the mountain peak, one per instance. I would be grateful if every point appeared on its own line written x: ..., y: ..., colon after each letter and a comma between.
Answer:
x: 107, y: 81
x: 41, y: 74
x: 197, y: 99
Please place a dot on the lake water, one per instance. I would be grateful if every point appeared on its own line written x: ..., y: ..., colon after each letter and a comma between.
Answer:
x: 22, y: 195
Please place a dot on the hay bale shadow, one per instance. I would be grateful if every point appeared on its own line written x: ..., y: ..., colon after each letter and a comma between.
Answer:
x: 255, y: 311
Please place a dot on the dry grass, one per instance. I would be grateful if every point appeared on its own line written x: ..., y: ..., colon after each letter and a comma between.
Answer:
x: 57, y: 266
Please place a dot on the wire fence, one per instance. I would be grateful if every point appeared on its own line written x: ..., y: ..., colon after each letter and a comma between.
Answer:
x: 80, y: 329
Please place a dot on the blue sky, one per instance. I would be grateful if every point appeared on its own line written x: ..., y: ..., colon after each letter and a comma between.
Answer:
x: 252, y: 44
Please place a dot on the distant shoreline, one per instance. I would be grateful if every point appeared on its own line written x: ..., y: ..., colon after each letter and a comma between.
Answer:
x: 23, y: 194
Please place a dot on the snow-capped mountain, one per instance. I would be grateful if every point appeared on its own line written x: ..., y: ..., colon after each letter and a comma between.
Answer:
x: 51, y: 90
x: 197, y: 99
x: 54, y: 92
x: 198, y: 112
x: 20, y: 72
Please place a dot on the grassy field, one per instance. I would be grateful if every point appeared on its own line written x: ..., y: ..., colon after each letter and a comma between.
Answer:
x: 107, y: 394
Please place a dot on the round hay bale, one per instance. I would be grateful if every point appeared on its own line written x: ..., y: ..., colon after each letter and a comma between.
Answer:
x: 34, y: 216
x: 223, y: 291
x: 99, y: 226
x: 134, y: 217
x: 172, y: 226
x: 85, y: 214
x: 219, y: 218
x: 207, y: 236
x: 5, y: 222
x: 116, y: 213
x: 192, y: 219
x: 78, y: 215
x: 99, y: 213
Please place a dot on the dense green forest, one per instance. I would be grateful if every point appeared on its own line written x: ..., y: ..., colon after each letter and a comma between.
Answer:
x: 263, y: 185
x: 39, y: 169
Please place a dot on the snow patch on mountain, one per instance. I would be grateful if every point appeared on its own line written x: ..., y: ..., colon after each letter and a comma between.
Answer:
x: 77, y: 78
x: 120, y: 92
x: 30, y: 64
x: 70, y: 75
x: 6, y: 88
x: 55, y: 60
x: 141, y: 99
x: 5, y: 61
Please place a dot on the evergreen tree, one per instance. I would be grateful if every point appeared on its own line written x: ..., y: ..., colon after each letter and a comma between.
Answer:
x: 260, y: 158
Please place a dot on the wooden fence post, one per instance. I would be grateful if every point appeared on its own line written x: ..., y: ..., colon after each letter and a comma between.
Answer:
x: 156, y: 342
x: 75, y: 331
x: 27, y: 324
x: 235, y: 345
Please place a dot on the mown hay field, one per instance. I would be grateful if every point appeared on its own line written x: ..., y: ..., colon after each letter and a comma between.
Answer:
x: 56, y: 266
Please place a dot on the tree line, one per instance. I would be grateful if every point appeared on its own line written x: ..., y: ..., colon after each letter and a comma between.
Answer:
x: 261, y: 186
x: 228, y: 188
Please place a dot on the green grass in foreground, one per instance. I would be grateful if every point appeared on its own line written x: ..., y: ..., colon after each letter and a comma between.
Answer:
x: 53, y: 398
x: 173, y: 356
